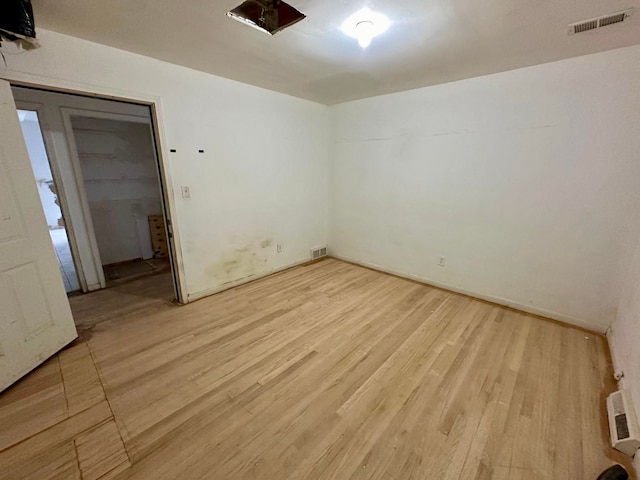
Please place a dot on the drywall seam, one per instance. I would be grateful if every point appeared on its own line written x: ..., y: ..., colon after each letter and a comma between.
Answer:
x: 489, y: 298
x: 192, y: 297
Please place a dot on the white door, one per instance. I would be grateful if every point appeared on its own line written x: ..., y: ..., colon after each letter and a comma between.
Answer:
x: 35, y: 318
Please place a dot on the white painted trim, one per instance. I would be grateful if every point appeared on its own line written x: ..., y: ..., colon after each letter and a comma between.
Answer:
x: 173, y: 239
x: 84, y: 203
x: 30, y: 106
x: 489, y: 298
x: 221, y: 288
x: 615, y: 358
x: 155, y: 102
x: 97, y: 114
x: 68, y: 86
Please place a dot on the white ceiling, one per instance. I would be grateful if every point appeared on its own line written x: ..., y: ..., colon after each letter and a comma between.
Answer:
x: 429, y: 41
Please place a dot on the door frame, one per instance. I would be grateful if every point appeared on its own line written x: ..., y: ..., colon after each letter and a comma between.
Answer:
x: 62, y: 197
x: 67, y: 113
x: 157, y: 118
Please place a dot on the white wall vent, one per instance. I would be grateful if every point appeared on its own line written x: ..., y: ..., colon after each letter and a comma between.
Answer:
x: 623, y: 424
x: 318, y: 253
x: 599, y: 22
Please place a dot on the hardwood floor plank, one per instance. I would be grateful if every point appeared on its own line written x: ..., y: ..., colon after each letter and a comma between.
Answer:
x: 325, y: 371
x: 39, y: 446
x: 33, y: 404
x: 101, y: 451
x: 82, y: 385
x: 56, y: 463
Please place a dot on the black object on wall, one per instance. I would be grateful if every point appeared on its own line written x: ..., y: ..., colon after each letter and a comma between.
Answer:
x: 17, y: 23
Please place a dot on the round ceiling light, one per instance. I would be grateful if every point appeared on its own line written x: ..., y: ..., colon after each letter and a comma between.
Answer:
x: 365, y: 25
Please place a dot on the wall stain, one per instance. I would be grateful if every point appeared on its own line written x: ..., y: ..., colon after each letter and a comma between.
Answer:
x: 240, y: 263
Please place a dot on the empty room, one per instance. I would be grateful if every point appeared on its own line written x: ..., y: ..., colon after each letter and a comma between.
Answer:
x: 314, y: 240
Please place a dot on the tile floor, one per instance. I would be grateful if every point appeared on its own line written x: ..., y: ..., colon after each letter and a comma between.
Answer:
x: 65, y: 260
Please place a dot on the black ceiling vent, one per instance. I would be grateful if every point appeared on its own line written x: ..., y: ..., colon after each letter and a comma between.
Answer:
x: 268, y: 16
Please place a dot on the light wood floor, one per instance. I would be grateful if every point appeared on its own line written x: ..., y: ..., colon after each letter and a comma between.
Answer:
x: 324, y: 371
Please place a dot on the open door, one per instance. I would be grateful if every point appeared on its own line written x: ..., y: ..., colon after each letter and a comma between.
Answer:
x: 35, y: 318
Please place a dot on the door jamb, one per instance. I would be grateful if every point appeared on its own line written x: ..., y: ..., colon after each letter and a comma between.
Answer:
x: 67, y: 113
x: 62, y: 197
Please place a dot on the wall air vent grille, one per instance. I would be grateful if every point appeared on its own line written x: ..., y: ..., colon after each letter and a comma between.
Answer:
x: 586, y: 26
x: 599, y: 22
x: 318, y: 253
x: 610, y: 20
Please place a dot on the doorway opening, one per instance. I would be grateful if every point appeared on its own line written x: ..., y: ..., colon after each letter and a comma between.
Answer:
x: 103, y: 193
x: 118, y: 165
x: 48, y: 192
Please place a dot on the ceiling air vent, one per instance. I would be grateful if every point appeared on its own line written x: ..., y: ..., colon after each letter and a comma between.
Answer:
x: 268, y: 16
x: 611, y: 19
x: 599, y: 22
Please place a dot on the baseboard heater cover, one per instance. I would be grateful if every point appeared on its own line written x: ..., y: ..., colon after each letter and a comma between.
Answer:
x: 623, y: 423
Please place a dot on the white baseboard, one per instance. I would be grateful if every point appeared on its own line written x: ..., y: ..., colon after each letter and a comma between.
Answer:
x: 577, y: 322
x: 192, y: 297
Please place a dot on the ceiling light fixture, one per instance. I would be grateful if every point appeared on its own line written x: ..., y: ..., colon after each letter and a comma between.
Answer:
x: 365, y: 25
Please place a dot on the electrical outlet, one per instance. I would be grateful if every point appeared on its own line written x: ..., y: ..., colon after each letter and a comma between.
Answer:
x: 442, y: 261
x: 279, y: 247
x: 186, y: 191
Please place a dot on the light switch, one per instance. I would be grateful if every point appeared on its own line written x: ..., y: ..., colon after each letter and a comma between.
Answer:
x: 186, y: 191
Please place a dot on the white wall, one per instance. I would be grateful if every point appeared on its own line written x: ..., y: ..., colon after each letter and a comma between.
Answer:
x: 120, y: 177
x: 261, y: 181
x: 528, y: 182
